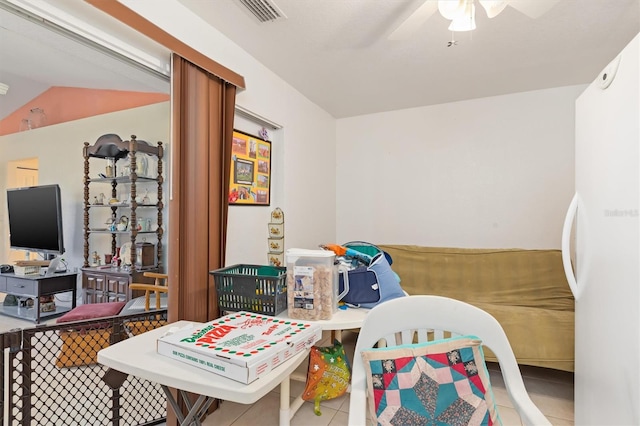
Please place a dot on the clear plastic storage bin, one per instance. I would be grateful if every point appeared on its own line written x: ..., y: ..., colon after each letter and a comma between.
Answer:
x: 312, y: 284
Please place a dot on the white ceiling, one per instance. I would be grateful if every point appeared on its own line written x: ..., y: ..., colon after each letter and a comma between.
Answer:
x: 33, y: 58
x: 336, y: 52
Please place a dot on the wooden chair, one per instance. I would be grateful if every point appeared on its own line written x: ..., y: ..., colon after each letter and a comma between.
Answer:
x: 160, y: 286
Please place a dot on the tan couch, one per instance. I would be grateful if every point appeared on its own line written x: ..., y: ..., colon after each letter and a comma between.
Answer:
x: 525, y: 290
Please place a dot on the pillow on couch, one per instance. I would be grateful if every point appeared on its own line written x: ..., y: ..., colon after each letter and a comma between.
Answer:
x: 443, y: 382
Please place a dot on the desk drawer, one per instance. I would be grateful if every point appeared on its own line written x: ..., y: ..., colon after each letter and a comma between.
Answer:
x: 18, y: 286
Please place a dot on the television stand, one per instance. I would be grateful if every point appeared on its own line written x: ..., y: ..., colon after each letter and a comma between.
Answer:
x: 31, y: 288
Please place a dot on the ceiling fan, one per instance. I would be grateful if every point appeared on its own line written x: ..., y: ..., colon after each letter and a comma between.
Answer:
x: 462, y: 13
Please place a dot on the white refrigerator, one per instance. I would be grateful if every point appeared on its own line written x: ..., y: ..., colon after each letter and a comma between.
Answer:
x: 602, y: 237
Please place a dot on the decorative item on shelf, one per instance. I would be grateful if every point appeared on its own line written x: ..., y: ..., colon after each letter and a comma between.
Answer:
x: 275, y: 242
x: 125, y: 167
x: 144, y: 225
x: 114, y: 201
x: 142, y: 165
x: 47, y: 303
x: 276, y: 245
x: 110, y: 169
x: 123, y: 223
x: 125, y: 254
x: 276, y: 259
x: 277, y: 215
x: 10, y: 300
x: 98, y: 200
x: 276, y: 230
x: 145, y: 255
x: 115, y: 260
x: 95, y: 259
x: 26, y: 302
x: 144, y: 199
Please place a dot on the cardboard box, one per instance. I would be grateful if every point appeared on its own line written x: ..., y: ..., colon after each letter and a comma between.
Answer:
x: 241, y: 346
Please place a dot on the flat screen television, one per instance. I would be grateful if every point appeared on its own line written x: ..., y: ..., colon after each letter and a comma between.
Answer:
x: 35, y: 219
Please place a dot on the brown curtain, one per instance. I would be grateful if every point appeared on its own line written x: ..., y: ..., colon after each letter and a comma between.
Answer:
x: 202, y: 118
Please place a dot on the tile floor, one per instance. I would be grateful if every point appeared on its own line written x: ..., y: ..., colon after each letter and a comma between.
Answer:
x: 550, y: 390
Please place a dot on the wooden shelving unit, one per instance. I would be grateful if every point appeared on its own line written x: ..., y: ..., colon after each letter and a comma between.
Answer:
x: 101, y: 283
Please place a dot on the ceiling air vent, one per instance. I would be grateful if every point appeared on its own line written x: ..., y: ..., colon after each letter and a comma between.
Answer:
x: 264, y: 10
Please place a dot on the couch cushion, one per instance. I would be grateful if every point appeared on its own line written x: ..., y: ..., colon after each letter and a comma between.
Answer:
x: 538, y: 337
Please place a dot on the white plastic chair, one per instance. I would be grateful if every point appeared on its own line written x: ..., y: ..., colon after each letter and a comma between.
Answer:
x: 399, y: 320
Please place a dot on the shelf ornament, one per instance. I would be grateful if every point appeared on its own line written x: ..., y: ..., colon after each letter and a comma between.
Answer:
x: 275, y: 241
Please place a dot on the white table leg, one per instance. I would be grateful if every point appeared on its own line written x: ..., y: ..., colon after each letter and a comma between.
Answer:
x: 285, y: 402
x: 288, y: 409
x: 295, y: 405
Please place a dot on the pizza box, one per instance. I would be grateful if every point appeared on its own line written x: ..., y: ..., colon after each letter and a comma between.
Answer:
x: 241, y: 346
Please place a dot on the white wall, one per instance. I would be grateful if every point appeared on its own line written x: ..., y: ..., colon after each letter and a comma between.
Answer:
x: 247, y: 226
x: 304, y: 153
x: 495, y: 172
x: 59, y: 152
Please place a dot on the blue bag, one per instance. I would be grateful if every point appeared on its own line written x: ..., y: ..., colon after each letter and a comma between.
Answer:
x: 368, y: 286
x: 362, y: 286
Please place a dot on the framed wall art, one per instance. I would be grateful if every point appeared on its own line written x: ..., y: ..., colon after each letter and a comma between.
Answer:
x: 250, y: 182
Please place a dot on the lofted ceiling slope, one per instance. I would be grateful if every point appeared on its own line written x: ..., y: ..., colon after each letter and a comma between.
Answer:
x: 337, y: 52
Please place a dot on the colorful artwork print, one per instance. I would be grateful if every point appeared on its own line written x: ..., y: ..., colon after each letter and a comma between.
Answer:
x: 263, y: 166
x: 250, y: 180
x: 264, y: 150
x: 243, y: 171
x: 239, y: 145
x: 263, y: 181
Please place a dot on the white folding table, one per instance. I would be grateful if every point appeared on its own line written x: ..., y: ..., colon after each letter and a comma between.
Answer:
x: 137, y: 356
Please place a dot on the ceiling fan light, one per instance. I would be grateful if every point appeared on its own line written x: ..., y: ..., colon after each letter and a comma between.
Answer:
x: 451, y: 9
x: 494, y: 7
x: 465, y: 21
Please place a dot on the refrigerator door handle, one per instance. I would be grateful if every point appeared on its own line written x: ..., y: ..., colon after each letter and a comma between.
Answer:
x: 566, y: 246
